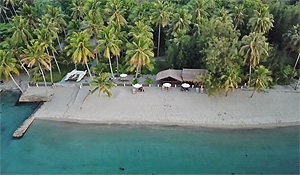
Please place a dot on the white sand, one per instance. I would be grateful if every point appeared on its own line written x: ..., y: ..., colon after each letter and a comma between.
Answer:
x: 279, y: 107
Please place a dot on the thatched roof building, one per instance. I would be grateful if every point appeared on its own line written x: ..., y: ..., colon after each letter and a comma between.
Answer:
x: 178, y: 76
x: 169, y: 75
x: 189, y: 75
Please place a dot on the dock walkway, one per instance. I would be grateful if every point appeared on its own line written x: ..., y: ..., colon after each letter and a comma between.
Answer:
x: 25, y: 125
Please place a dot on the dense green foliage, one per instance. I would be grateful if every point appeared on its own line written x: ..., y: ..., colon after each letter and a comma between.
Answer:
x: 229, y: 38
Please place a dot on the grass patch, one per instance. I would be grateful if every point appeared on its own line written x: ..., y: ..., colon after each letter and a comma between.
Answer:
x: 57, y: 77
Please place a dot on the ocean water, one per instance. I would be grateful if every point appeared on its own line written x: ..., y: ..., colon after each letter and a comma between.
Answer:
x: 68, y: 148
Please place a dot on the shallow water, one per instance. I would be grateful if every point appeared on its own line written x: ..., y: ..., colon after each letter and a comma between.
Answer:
x: 57, y: 147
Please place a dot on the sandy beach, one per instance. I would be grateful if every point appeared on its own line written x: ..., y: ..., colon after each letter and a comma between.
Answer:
x: 278, y: 107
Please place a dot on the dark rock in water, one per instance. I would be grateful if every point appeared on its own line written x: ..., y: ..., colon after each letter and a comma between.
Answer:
x: 246, y: 155
x: 232, y: 173
x: 122, y: 169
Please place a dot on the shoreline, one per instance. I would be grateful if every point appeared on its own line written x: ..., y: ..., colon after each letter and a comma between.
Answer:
x: 175, y: 125
x: 155, y: 107
x: 277, y: 108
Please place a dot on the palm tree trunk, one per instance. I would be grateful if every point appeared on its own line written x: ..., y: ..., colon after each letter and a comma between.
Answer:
x: 96, y: 56
x: 111, y: 70
x: 117, y: 58
x: 250, y: 67
x: 56, y: 62
x: 297, y: 83
x: 5, y: 15
x: 51, y: 76
x: 16, y: 83
x: 43, y: 77
x: 65, y: 32
x: 22, y: 65
x: 59, y: 43
x: 14, y: 9
x: 87, y: 66
x: 137, y: 71
x: 158, y: 41
x: 12, y: 14
x: 297, y: 61
x: 4, y: 21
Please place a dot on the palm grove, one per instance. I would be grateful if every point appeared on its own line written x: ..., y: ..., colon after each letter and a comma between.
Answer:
x: 238, y: 42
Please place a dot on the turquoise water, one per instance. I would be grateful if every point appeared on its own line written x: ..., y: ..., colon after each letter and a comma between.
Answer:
x: 67, y: 148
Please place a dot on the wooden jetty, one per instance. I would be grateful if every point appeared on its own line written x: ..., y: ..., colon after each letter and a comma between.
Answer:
x: 25, y: 125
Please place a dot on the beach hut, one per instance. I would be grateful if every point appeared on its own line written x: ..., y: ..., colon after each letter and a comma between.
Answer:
x: 170, y: 76
x: 178, y: 76
x: 190, y: 75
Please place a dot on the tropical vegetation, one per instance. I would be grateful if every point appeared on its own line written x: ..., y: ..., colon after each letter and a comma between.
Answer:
x: 237, y: 41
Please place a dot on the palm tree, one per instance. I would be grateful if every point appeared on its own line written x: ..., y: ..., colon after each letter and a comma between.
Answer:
x: 9, y: 65
x: 160, y: 17
x: 12, y: 3
x: 254, y: 48
x: 30, y: 14
x: 3, y: 10
x: 35, y: 56
x: 140, y: 13
x: 238, y: 16
x: 122, y: 36
x: 141, y: 31
x: 199, y: 25
x: 94, y: 22
x: 115, y: 10
x: 292, y: 38
x: 103, y: 84
x: 99, y: 68
x: 46, y: 40
x: 74, y: 26
x: 57, y: 18
x: 198, y: 8
x: 77, y: 9
x: 231, y: 80
x: 93, y: 5
x: 47, y: 23
x: 109, y: 44
x: 261, y: 79
x: 80, y: 48
x: 139, y: 54
x: 10, y: 46
x: 181, y: 21
x: 20, y: 28
x: 261, y: 22
x: 52, y: 27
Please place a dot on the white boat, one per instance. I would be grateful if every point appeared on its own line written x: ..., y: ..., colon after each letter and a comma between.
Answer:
x: 82, y: 74
x: 70, y: 74
x: 75, y: 75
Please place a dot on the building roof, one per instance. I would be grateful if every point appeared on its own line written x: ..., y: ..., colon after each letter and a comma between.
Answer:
x: 170, y: 73
x: 190, y: 74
